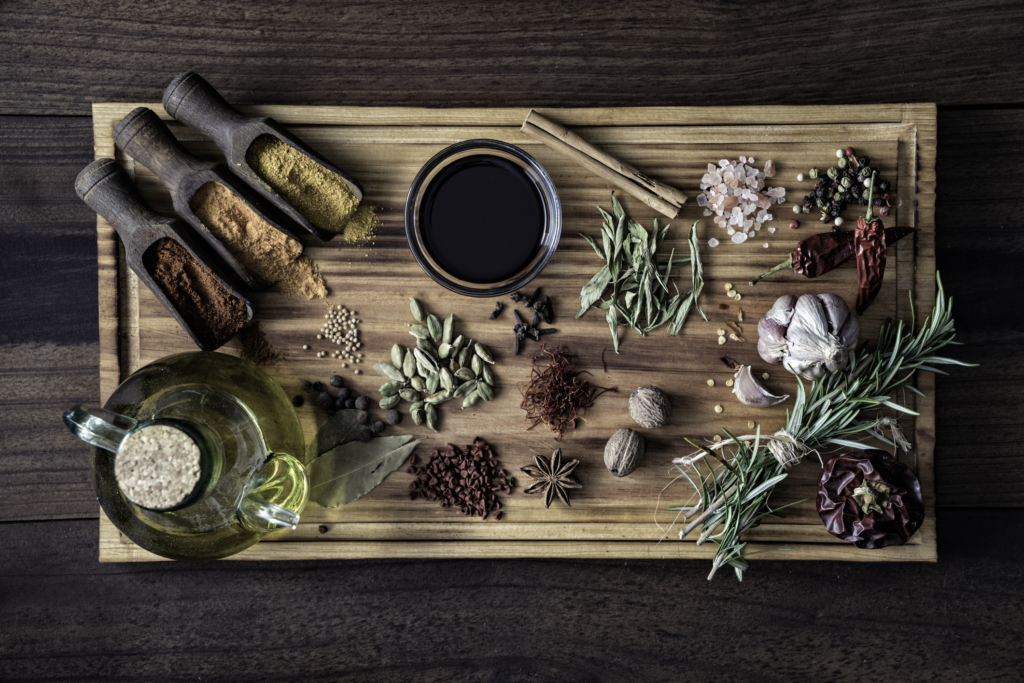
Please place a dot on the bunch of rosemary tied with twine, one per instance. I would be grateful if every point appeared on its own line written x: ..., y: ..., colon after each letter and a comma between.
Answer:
x: 734, y: 498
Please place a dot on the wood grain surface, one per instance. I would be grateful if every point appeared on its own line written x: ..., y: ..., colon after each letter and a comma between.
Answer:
x: 384, y: 148
x: 69, y: 618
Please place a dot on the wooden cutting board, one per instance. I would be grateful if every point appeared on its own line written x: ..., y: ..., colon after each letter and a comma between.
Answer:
x: 610, y: 518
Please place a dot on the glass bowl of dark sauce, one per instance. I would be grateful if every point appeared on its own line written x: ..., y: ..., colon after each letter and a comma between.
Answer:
x: 483, y: 218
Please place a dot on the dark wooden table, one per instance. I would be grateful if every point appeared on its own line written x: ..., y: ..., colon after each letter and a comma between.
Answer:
x: 64, y: 616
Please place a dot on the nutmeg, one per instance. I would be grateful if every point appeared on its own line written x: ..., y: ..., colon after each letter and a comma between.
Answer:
x: 623, y: 452
x: 649, y: 407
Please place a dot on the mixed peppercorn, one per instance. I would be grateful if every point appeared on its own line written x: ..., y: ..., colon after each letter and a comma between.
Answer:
x: 848, y: 182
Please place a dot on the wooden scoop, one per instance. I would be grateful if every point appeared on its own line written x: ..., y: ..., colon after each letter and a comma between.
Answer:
x: 144, y: 136
x: 108, y: 190
x: 194, y: 102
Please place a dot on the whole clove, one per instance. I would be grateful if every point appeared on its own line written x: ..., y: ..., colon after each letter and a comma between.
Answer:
x: 536, y: 319
x: 547, y: 330
x: 497, y: 310
x: 519, y: 318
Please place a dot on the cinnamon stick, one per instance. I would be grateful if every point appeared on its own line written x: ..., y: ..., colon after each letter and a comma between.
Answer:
x: 658, y: 196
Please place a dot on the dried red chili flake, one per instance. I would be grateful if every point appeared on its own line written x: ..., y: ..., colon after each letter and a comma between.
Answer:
x: 557, y: 396
x: 469, y: 479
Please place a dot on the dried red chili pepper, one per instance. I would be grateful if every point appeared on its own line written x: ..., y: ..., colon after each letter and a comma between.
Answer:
x: 820, y: 253
x: 870, y: 499
x: 869, y: 245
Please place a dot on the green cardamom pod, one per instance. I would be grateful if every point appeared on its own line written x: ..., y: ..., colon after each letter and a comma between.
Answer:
x: 483, y: 352
x: 422, y: 370
x: 447, y: 381
x: 418, y: 416
x: 418, y: 384
x: 417, y: 309
x: 470, y: 400
x: 424, y: 357
x: 485, y: 391
x: 454, y: 366
x: 409, y: 364
x: 418, y: 405
x: 397, y: 355
x: 432, y: 381
x: 447, y: 331
x: 431, y: 412
x: 457, y: 344
x: 389, y: 402
x: 465, y: 389
x: 465, y: 374
x: 488, y: 375
x: 464, y: 357
x: 390, y: 371
x: 426, y: 347
x: 439, y: 397
x: 419, y: 331
x: 477, y: 365
x: 390, y: 388
x: 409, y: 394
x: 434, y: 325
x: 443, y: 350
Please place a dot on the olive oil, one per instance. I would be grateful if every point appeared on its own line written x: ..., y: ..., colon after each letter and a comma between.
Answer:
x: 483, y: 219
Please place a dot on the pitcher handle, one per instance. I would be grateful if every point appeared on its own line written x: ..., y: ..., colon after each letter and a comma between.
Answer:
x: 99, y: 427
x: 253, y: 506
x: 283, y: 480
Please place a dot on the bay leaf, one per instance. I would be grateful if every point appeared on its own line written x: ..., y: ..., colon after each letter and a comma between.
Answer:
x: 351, y: 470
x: 338, y: 429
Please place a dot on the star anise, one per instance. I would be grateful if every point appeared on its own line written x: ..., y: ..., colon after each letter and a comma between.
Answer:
x: 555, y: 478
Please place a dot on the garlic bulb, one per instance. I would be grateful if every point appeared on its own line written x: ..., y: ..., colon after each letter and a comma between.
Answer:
x: 750, y: 392
x: 810, y: 336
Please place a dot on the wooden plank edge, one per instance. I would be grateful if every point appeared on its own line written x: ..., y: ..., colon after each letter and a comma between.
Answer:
x: 514, y: 116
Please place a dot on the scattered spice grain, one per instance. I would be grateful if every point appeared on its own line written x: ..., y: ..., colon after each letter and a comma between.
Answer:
x: 469, y: 479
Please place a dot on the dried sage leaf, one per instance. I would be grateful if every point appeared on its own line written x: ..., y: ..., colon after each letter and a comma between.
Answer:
x: 349, y: 471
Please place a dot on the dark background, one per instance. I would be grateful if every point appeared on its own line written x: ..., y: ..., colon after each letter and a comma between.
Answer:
x: 64, y: 616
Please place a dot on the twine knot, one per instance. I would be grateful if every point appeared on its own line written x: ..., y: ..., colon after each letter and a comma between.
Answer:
x: 893, y: 425
x: 787, y: 449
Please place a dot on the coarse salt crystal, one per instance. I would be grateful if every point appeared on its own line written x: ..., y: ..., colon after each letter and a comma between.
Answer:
x: 771, y: 229
x: 765, y: 245
x: 712, y: 242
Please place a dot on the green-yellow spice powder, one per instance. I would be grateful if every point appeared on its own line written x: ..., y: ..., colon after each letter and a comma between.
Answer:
x: 323, y: 197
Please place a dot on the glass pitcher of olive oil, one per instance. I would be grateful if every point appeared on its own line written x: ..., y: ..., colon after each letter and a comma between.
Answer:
x: 246, y: 430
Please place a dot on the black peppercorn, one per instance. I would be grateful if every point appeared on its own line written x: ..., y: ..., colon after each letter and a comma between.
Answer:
x: 366, y: 435
x: 350, y: 403
x: 362, y: 403
x: 343, y: 393
x: 339, y: 403
x: 863, y: 201
x: 318, y: 386
x: 362, y: 417
x: 306, y: 385
x: 297, y: 401
x: 335, y: 381
x: 324, y: 400
x: 884, y: 186
x: 378, y: 426
x: 393, y: 417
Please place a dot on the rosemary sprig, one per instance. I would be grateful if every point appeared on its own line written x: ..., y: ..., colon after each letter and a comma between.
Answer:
x: 639, y: 283
x: 735, y: 498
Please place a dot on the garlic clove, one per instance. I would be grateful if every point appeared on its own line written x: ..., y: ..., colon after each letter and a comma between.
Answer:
x: 781, y: 311
x: 772, y: 342
x: 750, y: 392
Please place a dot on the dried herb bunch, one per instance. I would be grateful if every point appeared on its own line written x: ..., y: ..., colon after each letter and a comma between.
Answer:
x: 734, y: 496
x: 556, y: 396
x: 636, y: 280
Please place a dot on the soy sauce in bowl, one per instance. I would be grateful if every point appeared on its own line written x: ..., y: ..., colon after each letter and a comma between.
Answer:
x: 483, y: 218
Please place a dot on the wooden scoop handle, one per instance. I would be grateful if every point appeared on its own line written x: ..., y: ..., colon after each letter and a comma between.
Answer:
x: 194, y: 102
x: 144, y: 136
x: 108, y: 191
